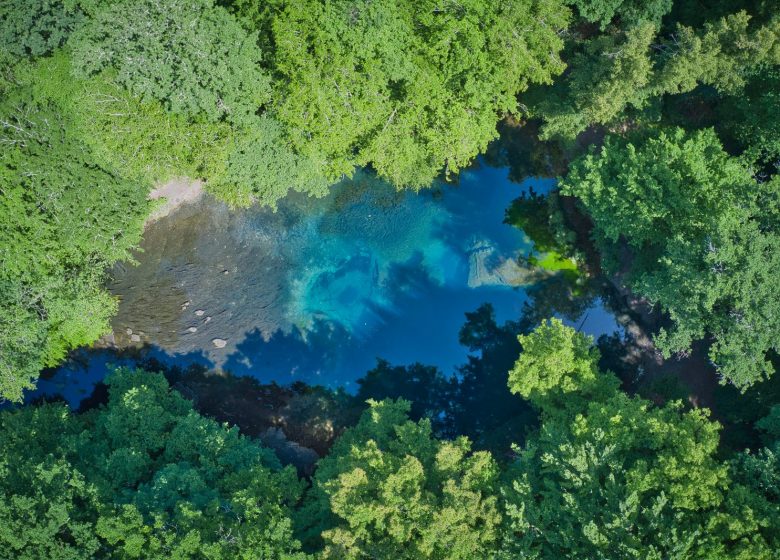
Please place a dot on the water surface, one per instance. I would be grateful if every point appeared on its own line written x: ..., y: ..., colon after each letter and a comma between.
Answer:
x: 319, y: 289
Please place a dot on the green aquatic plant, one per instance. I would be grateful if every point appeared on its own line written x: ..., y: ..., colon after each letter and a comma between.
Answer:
x: 539, y: 217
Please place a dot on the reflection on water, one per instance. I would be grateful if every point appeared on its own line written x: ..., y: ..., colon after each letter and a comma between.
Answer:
x: 319, y: 289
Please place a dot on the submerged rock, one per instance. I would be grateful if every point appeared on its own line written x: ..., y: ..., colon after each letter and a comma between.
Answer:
x: 290, y: 452
x: 488, y: 268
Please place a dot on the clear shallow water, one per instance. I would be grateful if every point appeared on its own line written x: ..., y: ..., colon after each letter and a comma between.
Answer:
x: 318, y: 290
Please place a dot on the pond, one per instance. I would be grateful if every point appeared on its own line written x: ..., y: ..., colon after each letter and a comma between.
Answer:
x: 319, y: 289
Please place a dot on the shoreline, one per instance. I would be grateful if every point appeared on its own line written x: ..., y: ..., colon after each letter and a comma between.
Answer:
x: 173, y: 194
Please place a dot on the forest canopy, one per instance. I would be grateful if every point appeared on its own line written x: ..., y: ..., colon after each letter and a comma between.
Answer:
x: 703, y: 234
x: 661, y: 119
x: 63, y: 219
x: 605, y: 475
x: 411, y: 88
x: 143, y: 477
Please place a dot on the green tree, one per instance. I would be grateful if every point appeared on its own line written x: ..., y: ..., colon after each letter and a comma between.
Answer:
x: 36, y: 27
x: 183, y: 482
x: 610, y: 73
x: 63, y: 220
x: 143, y: 477
x: 242, y: 165
x: 389, y: 490
x: 558, y: 369
x: 615, y: 75
x: 411, y: 88
x: 620, y: 478
x: 261, y: 166
x: 191, y: 56
x: 198, y: 63
x: 48, y: 509
x: 142, y: 139
x: 720, y: 55
x: 751, y: 118
x: 139, y: 139
x: 628, y: 11
x: 754, y: 502
x: 704, y: 239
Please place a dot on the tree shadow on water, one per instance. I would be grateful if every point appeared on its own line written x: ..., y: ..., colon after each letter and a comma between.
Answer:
x: 288, y: 357
x: 79, y: 378
x: 335, y: 351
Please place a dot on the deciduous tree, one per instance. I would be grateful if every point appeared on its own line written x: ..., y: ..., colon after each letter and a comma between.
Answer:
x: 411, y: 88
x: 620, y: 478
x: 704, y: 239
x: 63, y: 220
x: 191, y: 56
x: 628, y: 11
x: 143, y: 477
x: 617, y: 74
x: 30, y: 28
x: 389, y: 489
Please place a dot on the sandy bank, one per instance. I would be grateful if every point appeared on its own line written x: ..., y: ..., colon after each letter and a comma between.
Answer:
x: 174, y: 193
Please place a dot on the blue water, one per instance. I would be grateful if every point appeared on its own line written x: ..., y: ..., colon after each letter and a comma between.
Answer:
x: 320, y: 289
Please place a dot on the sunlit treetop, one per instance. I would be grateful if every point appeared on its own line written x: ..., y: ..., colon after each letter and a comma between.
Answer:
x: 410, y: 88
x: 704, y: 238
x: 388, y: 489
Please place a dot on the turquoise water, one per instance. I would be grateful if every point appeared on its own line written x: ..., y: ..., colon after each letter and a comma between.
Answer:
x: 320, y: 289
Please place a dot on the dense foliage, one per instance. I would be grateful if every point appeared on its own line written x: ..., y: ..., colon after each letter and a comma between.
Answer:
x: 611, y: 476
x: 63, y: 218
x: 606, y: 475
x: 191, y: 56
x: 199, y: 64
x: 143, y: 477
x: 682, y: 216
x: 662, y: 116
x: 628, y: 11
x: 389, y: 489
x: 36, y: 27
x: 616, y: 74
x: 703, y: 237
x: 557, y: 370
x: 411, y: 88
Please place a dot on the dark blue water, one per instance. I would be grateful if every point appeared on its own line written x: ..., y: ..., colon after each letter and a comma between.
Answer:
x: 320, y: 289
